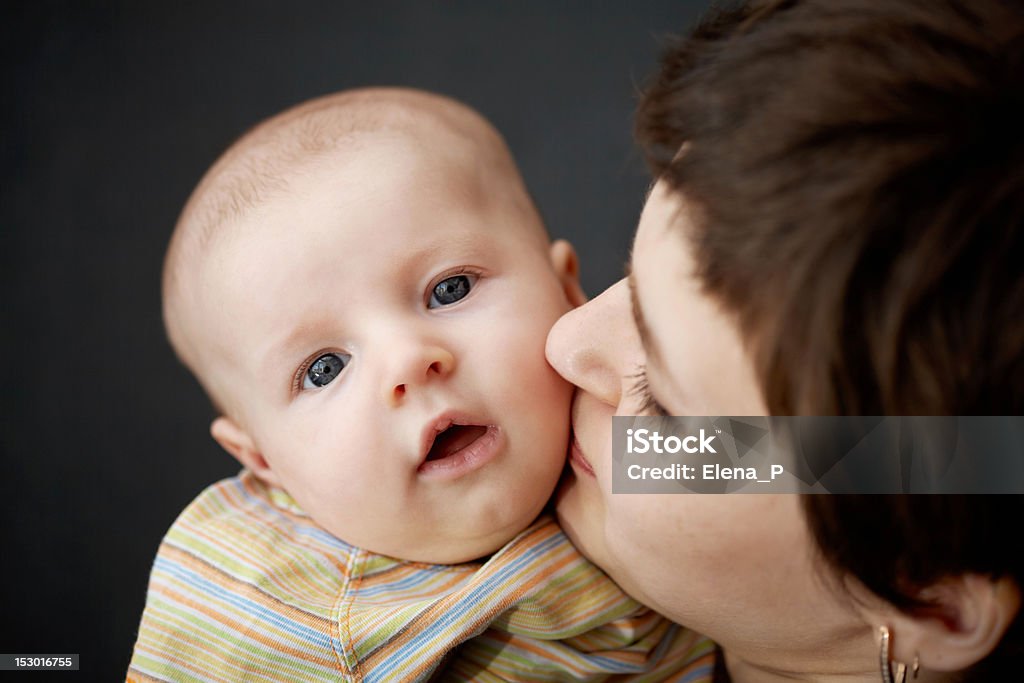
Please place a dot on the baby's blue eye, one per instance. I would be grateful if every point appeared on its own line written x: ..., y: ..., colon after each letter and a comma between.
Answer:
x: 324, y: 369
x: 450, y: 290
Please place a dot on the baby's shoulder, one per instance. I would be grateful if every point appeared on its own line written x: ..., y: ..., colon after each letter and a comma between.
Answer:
x: 242, y: 529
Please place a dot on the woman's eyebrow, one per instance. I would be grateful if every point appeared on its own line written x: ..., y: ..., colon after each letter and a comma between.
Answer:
x: 646, y: 339
x: 650, y: 189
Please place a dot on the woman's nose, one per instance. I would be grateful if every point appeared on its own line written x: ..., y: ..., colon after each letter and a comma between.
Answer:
x: 415, y: 365
x: 591, y: 346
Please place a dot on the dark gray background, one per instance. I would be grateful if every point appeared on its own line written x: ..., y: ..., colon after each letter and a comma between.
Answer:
x: 111, y: 112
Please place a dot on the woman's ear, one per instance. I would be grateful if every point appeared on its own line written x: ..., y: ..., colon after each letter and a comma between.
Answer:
x: 567, y: 267
x: 971, y: 614
x: 239, y: 444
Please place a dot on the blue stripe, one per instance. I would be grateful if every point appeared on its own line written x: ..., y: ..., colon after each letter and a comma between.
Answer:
x: 411, y: 581
x: 208, y: 588
x: 701, y: 673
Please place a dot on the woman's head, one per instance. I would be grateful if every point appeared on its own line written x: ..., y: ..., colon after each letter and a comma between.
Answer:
x: 857, y: 180
x: 739, y: 568
x: 835, y: 230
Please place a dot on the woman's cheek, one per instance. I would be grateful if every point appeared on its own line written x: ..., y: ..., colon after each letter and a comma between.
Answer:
x: 627, y: 558
x: 636, y: 528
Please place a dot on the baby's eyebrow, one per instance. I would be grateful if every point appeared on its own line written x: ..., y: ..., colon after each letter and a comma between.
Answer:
x: 287, y: 348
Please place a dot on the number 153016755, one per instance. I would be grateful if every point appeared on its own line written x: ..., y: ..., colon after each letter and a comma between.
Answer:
x: 15, y: 662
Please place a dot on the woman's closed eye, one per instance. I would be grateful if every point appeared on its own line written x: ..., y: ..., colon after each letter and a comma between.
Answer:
x: 324, y: 369
x: 452, y: 289
x: 642, y: 391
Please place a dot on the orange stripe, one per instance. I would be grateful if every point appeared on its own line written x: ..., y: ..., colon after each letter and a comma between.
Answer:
x: 317, y: 594
x: 551, y: 655
x: 239, y: 627
x: 247, y: 590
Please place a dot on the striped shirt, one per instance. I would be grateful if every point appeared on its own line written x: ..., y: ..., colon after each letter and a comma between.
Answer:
x: 247, y: 587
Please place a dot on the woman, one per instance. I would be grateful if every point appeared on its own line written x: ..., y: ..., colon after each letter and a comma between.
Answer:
x: 835, y: 229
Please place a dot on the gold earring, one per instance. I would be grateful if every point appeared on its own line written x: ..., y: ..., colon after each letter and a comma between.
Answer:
x: 886, y: 664
x: 916, y: 666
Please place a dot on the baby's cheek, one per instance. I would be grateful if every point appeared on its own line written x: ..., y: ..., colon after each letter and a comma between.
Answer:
x: 519, y: 338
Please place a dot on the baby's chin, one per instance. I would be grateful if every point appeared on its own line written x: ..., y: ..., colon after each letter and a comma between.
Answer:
x: 454, y: 548
x: 460, y: 551
x: 478, y: 531
x: 462, y: 556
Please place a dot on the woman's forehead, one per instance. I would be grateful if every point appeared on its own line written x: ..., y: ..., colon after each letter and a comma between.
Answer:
x: 695, y: 354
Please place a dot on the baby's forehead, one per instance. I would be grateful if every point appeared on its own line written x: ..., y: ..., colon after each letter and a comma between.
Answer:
x: 334, y: 129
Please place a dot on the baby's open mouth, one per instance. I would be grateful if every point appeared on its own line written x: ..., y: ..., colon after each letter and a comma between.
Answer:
x: 452, y: 450
x: 453, y: 439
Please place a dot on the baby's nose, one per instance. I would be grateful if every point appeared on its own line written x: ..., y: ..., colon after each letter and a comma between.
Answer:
x: 415, y: 366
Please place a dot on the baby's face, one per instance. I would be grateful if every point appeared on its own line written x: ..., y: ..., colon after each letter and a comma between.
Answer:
x: 380, y: 334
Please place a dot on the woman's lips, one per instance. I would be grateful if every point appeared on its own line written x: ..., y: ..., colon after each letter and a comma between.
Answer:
x: 576, y: 458
x: 468, y: 456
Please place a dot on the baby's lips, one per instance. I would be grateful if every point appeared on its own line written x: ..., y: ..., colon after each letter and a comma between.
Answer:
x: 439, y: 424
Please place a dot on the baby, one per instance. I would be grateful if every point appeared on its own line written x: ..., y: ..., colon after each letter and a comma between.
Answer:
x: 363, y: 287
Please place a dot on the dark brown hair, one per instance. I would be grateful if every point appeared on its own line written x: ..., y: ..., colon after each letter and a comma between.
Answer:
x: 857, y: 173
x: 857, y: 168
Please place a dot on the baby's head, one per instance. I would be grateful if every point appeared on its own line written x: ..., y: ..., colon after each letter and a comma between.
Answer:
x: 364, y: 288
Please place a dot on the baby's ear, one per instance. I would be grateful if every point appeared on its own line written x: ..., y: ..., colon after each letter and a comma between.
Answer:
x: 238, y: 443
x: 567, y: 267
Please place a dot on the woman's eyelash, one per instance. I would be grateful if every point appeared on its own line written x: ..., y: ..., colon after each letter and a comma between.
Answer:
x: 642, y: 390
